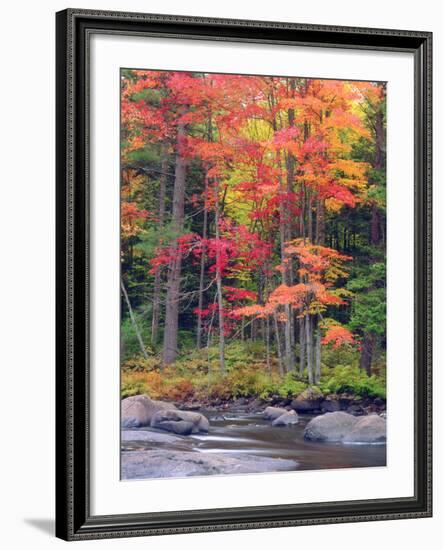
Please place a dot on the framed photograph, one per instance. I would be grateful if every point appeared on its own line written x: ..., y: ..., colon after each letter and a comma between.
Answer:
x: 243, y: 274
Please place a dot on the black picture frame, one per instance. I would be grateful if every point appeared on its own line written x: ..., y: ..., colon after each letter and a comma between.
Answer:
x: 73, y: 518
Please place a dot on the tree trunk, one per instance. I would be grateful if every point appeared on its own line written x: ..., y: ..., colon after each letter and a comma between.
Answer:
x: 157, y: 278
x: 367, y: 353
x: 221, y: 322
x: 308, y: 331
x: 288, y: 230
x: 283, y: 226
x: 302, y: 228
x: 133, y: 320
x: 302, y: 346
x: 283, y: 230
x: 202, y: 269
x: 378, y: 164
x: 268, y: 346
x: 278, y: 344
x: 317, y: 355
x: 320, y: 222
x: 310, y: 232
x: 174, y: 270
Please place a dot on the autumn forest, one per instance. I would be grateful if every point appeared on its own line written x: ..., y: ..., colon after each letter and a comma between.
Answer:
x: 253, y: 237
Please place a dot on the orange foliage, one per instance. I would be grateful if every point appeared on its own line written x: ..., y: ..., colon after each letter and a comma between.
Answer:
x: 338, y: 336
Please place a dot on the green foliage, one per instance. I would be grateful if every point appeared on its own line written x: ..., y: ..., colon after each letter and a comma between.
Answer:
x: 369, y: 306
x: 345, y: 379
x: 290, y: 386
x: 130, y: 345
x: 196, y: 375
x: 139, y: 364
x: 343, y: 355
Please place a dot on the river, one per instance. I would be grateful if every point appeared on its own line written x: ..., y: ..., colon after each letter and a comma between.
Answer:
x: 241, y: 434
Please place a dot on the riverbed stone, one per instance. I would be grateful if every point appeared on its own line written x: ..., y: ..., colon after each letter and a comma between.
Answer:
x: 346, y: 401
x: 162, y: 418
x: 271, y: 413
x: 306, y: 405
x: 286, y: 419
x: 368, y: 429
x: 160, y: 463
x: 138, y: 410
x: 256, y: 404
x: 329, y: 405
x: 148, y: 436
x: 355, y: 409
x: 330, y: 426
x: 179, y: 427
x: 308, y: 401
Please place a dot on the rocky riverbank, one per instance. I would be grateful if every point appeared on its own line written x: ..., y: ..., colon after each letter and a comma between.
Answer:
x: 161, y: 463
x: 308, y: 402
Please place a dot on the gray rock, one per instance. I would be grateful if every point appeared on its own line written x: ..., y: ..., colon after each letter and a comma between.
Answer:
x: 179, y: 427
x: 256, y: 404
x: 148, y: 436
x: 329, y: 405
x: 355, y: 409
x: 160, y: 463
x: 345, y: 401
x: 286, y: 419
x: 271, y: 413
x: 306, y: 405
x: 199, y: 422
x: 138, y: 410
x: 308, y: 401
x: 368, y: 429
x: 191, y: 407
x: 329, y: 427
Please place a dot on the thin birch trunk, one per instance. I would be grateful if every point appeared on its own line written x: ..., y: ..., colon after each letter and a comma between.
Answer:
x: 133, y: 320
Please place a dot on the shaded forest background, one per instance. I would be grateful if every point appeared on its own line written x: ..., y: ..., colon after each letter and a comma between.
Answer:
x: 253, y: 241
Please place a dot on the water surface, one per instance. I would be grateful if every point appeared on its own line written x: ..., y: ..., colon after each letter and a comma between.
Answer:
x: 248, y: 433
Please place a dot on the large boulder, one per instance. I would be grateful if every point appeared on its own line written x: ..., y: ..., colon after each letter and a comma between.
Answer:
x: 368, y: 429
x: 138, y: 410
x: 169, y: 419
x: 330, y: 426
x: 286, y: 419
x: 271, y: 413
x: 309, y: 400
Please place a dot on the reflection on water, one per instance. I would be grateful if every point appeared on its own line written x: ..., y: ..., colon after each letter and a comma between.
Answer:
x: 248, y: 433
